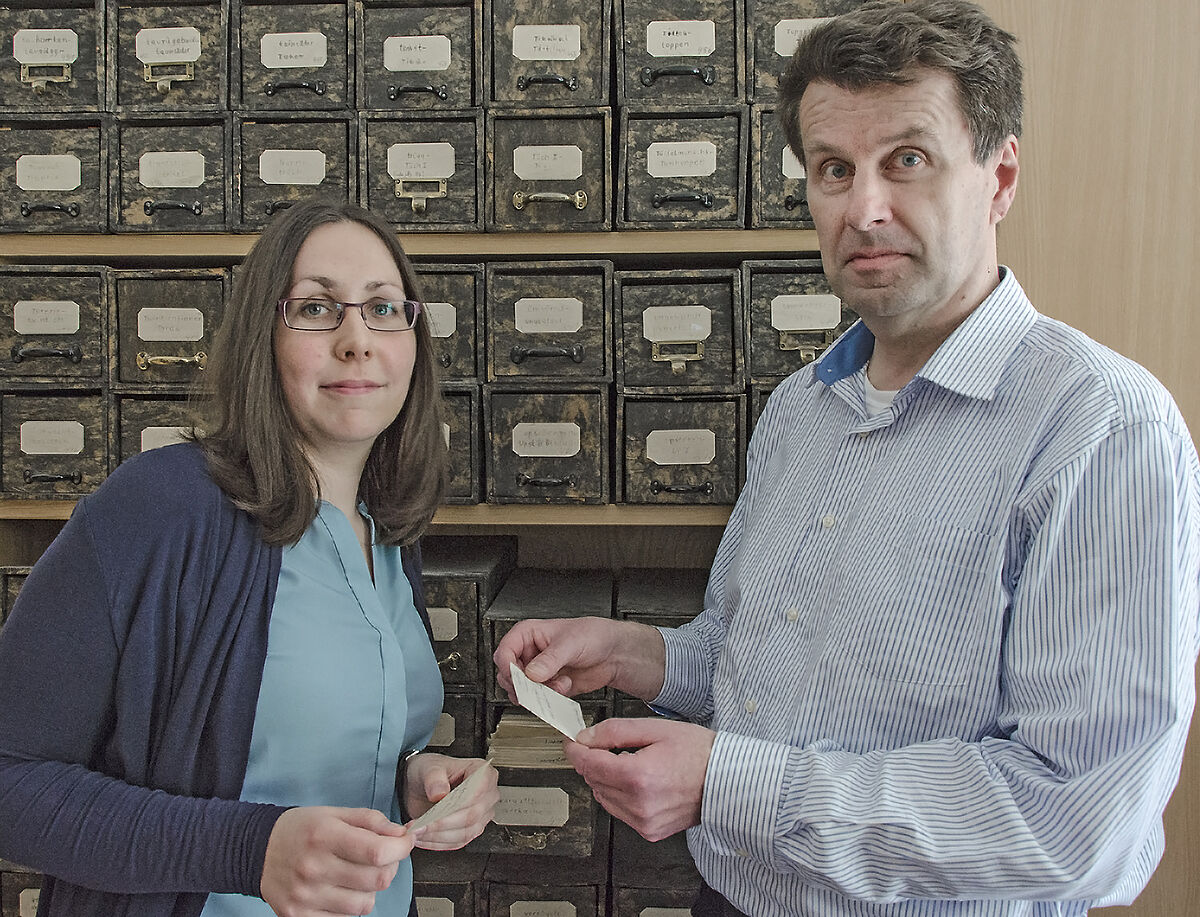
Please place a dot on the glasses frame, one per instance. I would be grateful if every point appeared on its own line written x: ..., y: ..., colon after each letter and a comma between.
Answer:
x: 417, y: 308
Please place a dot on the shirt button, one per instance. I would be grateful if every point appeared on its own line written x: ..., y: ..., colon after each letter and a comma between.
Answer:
x: 792, y: 614
x: 828, y: 521
x: 751, y: 705
x: 864, y: 434
x: 741, y: 852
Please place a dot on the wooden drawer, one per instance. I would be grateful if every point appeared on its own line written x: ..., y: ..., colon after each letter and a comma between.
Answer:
x: 54, y: 174
x: 20, y: 891
x: 459, y: 731
x: 681, y: 450
x: 53, y: 324
x: 11, y: 581
x: 54, y: 443
x: 680, y: 52
x: 651, y: 873
x: 549, y: 321
x: 774, y: 28
x: 549, y: 170
x: 779, y: 186
x: 665, y: 597
x: 52, y: 56
x: 424, y: 170
x: 144, y: 422
x: 168, y: 57
x: 545, y: 884
x: 682, y: 169
x: 292, y: 56
x: 550, y: 53
x: 453, y: 298
x: 453, y: 608
x: 171, y: 175
x: 417, y: 56
x: 463, y: 431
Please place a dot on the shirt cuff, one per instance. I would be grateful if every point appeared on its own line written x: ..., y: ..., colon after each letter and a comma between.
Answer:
x: 742, y: 790
x: 685, y: 675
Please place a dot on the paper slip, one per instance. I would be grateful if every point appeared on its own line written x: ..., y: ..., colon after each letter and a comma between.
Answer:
x: 458, y: 797
x: 561, y: 712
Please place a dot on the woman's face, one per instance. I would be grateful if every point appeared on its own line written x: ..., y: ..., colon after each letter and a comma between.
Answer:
x: 344, y: 387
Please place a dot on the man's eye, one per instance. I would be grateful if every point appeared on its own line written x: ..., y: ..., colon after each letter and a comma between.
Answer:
x: 910, y: 160
x: 834, y: 171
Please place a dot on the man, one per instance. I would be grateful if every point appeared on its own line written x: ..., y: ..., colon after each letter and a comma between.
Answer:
x: 945, y: 665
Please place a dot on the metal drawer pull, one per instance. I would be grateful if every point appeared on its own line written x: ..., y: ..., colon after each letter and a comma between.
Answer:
x: 524, y: 480
x: 315, y: 86
x: 532, y: 840
x: 791, y: 202
x: 678, y: 360
x: 521, y: 198
x: 41, y: 477
x: 162, y: 75
x: 793, y: 341
x: 451, y: 661
x: 706, y: 75
x: 394, y: 92
x: 20, y: 352
x: 420, y: 199
x: 445, y: 361
x: 520, y: 354
x: 152, y: 207
x: 38, y: 75
x: 71, y: 209
x: 703, y: 198
x: 275, y: 206
x: 524, y: 82
x: 658, y: 487
x: 145, y: 361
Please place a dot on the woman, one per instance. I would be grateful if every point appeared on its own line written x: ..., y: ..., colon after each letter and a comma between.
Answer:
x: 214, y: 681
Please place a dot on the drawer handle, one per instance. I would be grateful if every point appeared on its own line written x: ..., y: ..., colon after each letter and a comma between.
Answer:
x: 520, y: 354
x: 420, y: 199
x: 706, y: 75
x: 521, y: 198
x: 791, y: 202
x: 445, y: 360
x: 808, y: 351
x: 152, y: 207
x: 658, y: 487
x: 317, y: 87
x: 678, y: 359
x: 703, y: 198
x: 71, y: 209
x: 524, y: 82
x: 41, y: 477
x: 162, y: 75
x: 21, y: 352
x: 530, y: 840
x: 274, y: 207
x: 524, y: 480
x: 145, y: 361
x: 39, y: 75
x: 394, y: 92
x: 450, y: 662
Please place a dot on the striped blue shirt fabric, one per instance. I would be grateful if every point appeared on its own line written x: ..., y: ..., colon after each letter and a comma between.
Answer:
x: 949, y: 649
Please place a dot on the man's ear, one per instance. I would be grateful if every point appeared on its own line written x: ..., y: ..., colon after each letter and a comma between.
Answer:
x: 1006, y: 170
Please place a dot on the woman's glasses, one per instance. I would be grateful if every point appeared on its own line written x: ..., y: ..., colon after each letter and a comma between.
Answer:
x: 316, y: 313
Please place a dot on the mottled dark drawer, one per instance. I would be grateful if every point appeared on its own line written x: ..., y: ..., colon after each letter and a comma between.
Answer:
x: 453, y: 609
x: 549, y: 321
x: 145, y: 422
x: 547, y: 446
x: 163, y: 324
x: 681, y: 330
x: 792, y: 315
x: 759, y: 393
x: 420, y: 56
x: 642, y: 868
x: 680, y: 52
x: 549, y: 170
x: 663, y: 596
x: 453, y: 298
x: 459, y: 729
x: 11, y: 581
x: 774, y: 28
x: 293, y: 56
x: 448, y: 883
x: 550, y: 52
x: 53, y: 323
x: 779, y: 185
x: 461, y: 426
x: 171, y: 175
x: 283, y: 159
x: 168, y: 56
x: 510, y: 899
x: 54, y: 444
x: 424, y: 171
x: 682, y: 450
x: 682, y: 169
x: 541, y: 886
x: 52, y: 56
x: 19, y: 893
x: 54, y: 174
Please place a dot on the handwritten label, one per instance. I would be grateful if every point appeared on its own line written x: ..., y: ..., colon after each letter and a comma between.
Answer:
x: 443, y: 622
x: 542, y: 909
x: 443, y: 318
x: 548, y: 314
x: 46, y: 316
x: 788, y: 33
x: 676, y: 323
x: 285, y: 50
x: 434, y: 907
x: 51, y: 437
x: 443, y: 732
x: 681, y: 158
x: 154, y: 437
x: 548, y: 806
x: 171, y: 169
x: 546, y: 440
x: 792, y: 167
x: 291, y: 167
x: 552, y: 708
x: 805, y: 312
x: 45, y: 46
x: 49, y: 172
x: 546, y: 42
x: 681, y: 447
x: 410, y: 53
x: 548, y: 163
x: 159, y: 324
x: 177, y: 45
x: 681, y: 38
x: 420, y: 161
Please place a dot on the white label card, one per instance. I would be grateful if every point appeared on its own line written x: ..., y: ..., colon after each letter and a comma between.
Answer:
x: 661, y: 912
x: 681, y: 158
x: 51, y: 437
x: 45, y: 46
x: 420, y: 161
x: 443, y: 732
x: 443, y: 622
x: 283, y: 50
x: 548, y: 315
x: 153, y: 437
x: 805, y: 312
x: 791, y: 166
x: 681, y: 447
x: 547, y: 806
x: 291, y: 167
x: 681, y: 38
x: 27, y: 902
x: 46, y: 316
x: 443, y: 318
x: 546, y: 440
x: 413, y: 53
x: 788, y: 33
x: 446, y: 434
x: 177, y: 45
x: 548, y: 163
x: 676, y: 324
x: 433, y: 907
x: 546, y: 42
x: 542, y: 909
x: 552, y: 708
x: 158, y: 324
x: 171, y: 169
x: 49, y: 172
x: 458, y: 797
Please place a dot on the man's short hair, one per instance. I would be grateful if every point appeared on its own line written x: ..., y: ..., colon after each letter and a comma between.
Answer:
x: 886, y: 41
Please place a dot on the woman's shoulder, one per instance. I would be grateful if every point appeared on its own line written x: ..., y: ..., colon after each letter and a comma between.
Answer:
x: 169, y: 482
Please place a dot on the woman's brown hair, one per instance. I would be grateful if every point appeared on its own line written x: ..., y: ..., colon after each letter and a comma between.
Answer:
x: 248, y: 435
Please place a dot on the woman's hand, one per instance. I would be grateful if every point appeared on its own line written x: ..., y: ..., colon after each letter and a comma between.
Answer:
x: 430, y: 777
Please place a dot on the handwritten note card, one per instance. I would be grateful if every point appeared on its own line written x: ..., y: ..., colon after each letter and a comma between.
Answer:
x: 563, y: 713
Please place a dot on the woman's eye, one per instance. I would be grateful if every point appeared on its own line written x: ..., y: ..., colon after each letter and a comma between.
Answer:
x: 383, y: 308
x: 314, y: 307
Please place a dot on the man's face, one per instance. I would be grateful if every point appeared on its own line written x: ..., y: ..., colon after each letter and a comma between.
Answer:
x: 905, y: 216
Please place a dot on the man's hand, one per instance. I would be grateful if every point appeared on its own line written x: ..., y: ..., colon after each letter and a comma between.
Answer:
x: 430, y: 777
x: 655, y: 782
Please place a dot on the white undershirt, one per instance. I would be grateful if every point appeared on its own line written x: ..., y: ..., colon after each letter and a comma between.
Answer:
x: 877, y: 400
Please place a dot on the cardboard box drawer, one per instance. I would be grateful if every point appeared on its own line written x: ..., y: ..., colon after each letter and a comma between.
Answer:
x: 462, y: 426
x: 54, y: 174
x: 779, y: 185
x: 661, y: 596
x: 168, y: 57
x: 459, y: 731
x: 11, y: 580
x: 550, y: 53
x: 54, y: 443
x: 448, y: 883
x: 640, y: 867
x: 20, y: 891
x: 453, y: 299
x: 424, y: 171
x: 53, y: 324
x: 52, y: 56
x: 144, y: 422
x: 171, y: 175
x: 773, y: 30
x: 759, y: 393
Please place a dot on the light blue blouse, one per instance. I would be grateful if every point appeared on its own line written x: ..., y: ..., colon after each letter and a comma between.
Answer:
x: 350, y: 682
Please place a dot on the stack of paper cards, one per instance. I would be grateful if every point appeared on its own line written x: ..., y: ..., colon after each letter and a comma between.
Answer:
x: 458, y: 797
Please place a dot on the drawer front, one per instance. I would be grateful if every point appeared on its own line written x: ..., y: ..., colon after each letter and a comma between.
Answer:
x: 147, y: 422
x: 550, y: 52
x: 19, y: 893
x: 453, y: 297
x: 661, y: 596
x: 171, y: 176
x: 52, y: 324
x: 54, y: 176
x: 641, y: 866
x: 780, y: 187
x: 683, y: 52
x: 549, y: 323
x: 53, y: 444
x: 508, y: 899
x: 425, y: 172
x: 11, y: 581
x: 759, y: 393
x: 459, y: 730
x: 421, y: 57
x: 774, y: 28
x: 453, y: 607
x: 542, y: 811
x: 168, y: 56
x: 294, y: 57
x: 461, y: 421
x: 51, y: 58
x: 165, y: 322
x: 445, y: 899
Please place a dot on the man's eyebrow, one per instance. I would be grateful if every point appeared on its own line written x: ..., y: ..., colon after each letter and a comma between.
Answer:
x: 917, y: 132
